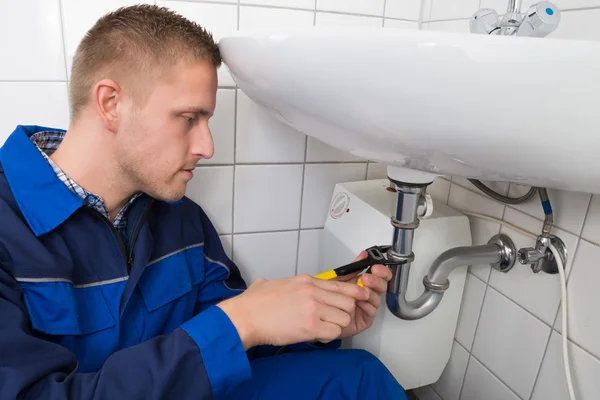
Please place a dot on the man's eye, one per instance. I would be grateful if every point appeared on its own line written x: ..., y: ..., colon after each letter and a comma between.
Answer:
x: 191, y: 120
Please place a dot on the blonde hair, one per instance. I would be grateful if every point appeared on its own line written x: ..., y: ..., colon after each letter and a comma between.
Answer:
x: 134, y: 43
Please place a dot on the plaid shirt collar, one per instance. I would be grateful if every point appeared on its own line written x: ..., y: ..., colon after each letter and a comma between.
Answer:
x: 47, y: 143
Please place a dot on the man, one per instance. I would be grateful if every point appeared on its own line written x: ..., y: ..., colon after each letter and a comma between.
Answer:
x: 114, y: 284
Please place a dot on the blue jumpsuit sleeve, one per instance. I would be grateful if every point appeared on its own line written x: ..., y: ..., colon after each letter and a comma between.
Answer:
x: 181, y: 365
x: 223, y: 280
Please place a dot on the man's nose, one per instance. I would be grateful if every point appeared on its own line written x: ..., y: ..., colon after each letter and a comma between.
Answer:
x: 202, y: 143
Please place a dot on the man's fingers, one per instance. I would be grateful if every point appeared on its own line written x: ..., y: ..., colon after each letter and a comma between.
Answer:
x: 345, y: 288
x: 382, y: 272
x: 328, y: 332
x: 335, y: 316
x: 375, y: 283
x: 337, y: 300
x: 361, y: 256
x: 367, y: 308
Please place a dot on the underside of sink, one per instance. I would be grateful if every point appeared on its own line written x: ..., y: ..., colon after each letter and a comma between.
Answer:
x: 497, y: 108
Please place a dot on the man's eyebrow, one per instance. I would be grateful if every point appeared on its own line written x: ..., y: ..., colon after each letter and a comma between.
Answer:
x: 194, y: 110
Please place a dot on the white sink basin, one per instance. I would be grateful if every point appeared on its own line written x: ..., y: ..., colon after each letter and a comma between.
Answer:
x: 514, y: 109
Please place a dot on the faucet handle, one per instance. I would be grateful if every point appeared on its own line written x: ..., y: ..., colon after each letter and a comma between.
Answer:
x: 485, y: 21
x: 540, y: 20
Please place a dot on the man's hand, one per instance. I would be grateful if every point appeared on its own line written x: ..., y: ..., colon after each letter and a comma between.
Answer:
x: 365, y: 313
x: 298, y: 309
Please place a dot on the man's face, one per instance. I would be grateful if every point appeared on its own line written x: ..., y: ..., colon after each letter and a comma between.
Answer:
x: 161, y: 143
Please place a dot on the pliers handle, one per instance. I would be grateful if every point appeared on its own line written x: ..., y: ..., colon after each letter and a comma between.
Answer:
x: 375, y: 255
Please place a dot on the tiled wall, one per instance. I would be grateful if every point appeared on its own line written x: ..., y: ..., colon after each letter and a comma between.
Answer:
x: 507, y: 343
x: 507, y: 340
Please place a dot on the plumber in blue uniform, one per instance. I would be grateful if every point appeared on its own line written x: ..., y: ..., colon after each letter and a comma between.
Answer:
x: 113, y: 284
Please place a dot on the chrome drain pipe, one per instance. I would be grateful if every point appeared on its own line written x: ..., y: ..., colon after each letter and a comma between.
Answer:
x: 500, y: 252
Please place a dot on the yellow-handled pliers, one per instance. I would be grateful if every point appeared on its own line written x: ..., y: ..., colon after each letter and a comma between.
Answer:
x: 375, y: 255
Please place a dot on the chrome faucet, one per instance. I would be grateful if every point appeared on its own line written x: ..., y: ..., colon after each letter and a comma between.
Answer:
x: 539, y: 20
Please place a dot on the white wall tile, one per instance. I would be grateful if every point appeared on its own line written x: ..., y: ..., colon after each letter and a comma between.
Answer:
x: 220, y: 19
x: 370, y: 7
x: 570, y: 4
x: 266, y: 255
x: 257, y: 18
x: 318, y: 151
x: 481, y: 384
x: 427, y: 393
x: 460, y: 26
x: 583, y: 299
x: 319, y: 182
x: 470, y: 309
x: 200, y: 1
x: 569, y: 208
x: 79, y: 16
x: 31, y: 28
x: 463, y: 199
x: 331, y: 19
x: 499, y: 5
x: 510, y: 342
x: 222, y: 127
x: 578, y: 25
x: 400, y: 24
x: 267, y: 197
x: 307, y: 4
x: 481, y: 230
x: 262, y: 138
x: 308, y: 252
x: 450, y: 383
x: 499, y: 187
x: 591, y: 227
x: 537, y: 293
x: 426, y: 13
x: 439, y: 190
x: 585, y: 370
x: 227, y: 243
x: 212, y: 189
x: 376, y: 171
x: 403, y: 9
x: 33, y: 103
x: 444, y: 9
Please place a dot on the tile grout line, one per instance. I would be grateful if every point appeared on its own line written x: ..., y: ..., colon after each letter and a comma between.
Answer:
x: 301, y: 199
x: 420, y: 21
x: 539, y: 371
x: 496, y: 376
x: 64, y: 45
x: 383, y: 17
x: 37, y: 80
x: 273, y: 231
x: 470, y: 351
x: 521, y: 307
x: 587, y: 212
x: 235, y: 110
x: 448, y: 197
x: 292, y: 9
x: 262, y: 164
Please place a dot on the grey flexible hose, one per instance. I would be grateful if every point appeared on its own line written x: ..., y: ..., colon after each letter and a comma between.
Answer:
x: 502, y: 198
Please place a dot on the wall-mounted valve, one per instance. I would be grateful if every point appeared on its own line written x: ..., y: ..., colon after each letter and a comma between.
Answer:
x: 540, y: 257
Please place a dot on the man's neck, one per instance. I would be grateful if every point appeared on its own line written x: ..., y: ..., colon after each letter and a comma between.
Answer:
x: 86, y: 155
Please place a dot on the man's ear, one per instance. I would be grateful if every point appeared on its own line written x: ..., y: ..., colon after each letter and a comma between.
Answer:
x: 107, y: 95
